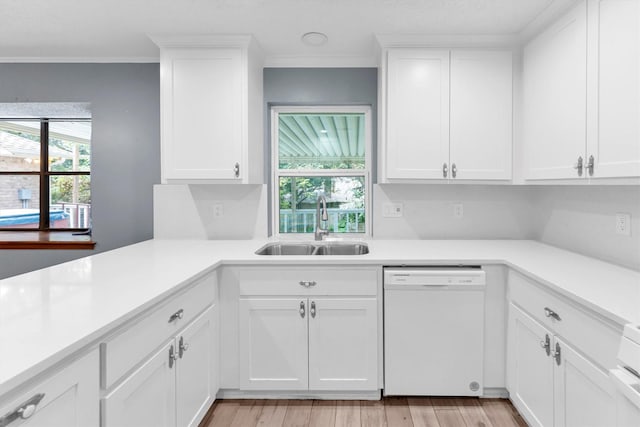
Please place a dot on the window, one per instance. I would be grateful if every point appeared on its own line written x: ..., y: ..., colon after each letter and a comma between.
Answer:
x: 45, y: 173
x: 321, y: 151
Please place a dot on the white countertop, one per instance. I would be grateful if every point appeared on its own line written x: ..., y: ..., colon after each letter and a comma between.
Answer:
x: 48, y: 314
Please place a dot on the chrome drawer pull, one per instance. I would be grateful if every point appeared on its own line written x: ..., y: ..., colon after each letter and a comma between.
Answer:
x: 546, y: 344
x: 172, y: 356
x: 307, y: 283
x: 182, y: 347
x: 24, y: 411
x: 557, y: 354
x: 302, y: 310
x: 550, y: 313
x: 313, y: 309
x: 177, y: 315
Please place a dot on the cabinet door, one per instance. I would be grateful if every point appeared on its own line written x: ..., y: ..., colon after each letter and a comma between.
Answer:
x: 529, y: 368
x: 481, y: 114
x: 69, y: 398
x: 417, y: 113
x: 201, y: 113
x: 343, y: 344
x: 614, y: 135
x: 273, y: 344
x: 554, y: 109
x: 147, y: 397
x: 195, y: 370
x: 584, y: 395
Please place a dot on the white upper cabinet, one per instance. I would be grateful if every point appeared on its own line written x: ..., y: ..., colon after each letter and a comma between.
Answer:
x: 614, y: 88
x: 445, y: 115
x: 211, y: 109
x: 554, y: 98
x: 481, y: 114
x: 581, y: 94
x: 417, y: 112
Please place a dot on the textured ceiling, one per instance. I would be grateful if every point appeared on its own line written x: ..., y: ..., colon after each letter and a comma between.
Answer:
x: 116, y: 29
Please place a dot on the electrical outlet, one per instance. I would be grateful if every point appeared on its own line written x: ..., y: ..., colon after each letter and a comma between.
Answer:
x: 623, y: 224
x: 392, y: 210
x: 458, y: 210
x: 218, y: 210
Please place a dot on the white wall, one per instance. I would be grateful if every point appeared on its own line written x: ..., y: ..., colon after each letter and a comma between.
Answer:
x: 582, y: 219
x: 490, y: 212
x: 187, y: 211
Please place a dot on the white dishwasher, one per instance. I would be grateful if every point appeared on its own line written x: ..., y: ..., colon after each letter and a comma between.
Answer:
x: 433, y: 331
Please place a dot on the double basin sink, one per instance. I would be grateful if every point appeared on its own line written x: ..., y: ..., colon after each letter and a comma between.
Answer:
x: 282, y: 248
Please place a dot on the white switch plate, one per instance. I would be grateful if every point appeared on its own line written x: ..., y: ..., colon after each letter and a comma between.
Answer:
x: 458, y: 210
x: 218, y: 210
x: 623, y: 224
x: 392, y: 210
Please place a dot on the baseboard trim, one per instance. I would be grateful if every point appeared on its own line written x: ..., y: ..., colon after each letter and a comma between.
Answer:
x: 284, y: 394
x: 495, y: 392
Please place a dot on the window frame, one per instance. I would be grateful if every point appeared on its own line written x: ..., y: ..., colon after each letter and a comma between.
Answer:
x: 44, y: 175
x: 276, y: 172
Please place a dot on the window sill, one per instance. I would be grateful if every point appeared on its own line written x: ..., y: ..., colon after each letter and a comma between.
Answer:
x: 44, y: 240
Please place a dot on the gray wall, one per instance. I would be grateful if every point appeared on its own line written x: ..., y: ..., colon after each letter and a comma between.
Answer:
x: 125, y: 105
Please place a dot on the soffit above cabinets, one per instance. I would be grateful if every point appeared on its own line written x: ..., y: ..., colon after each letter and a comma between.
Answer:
x: 116, y: 31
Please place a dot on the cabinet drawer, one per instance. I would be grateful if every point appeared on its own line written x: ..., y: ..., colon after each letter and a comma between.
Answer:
x: 125, y: 350
x: 309, y: 281
x: 595, y: 337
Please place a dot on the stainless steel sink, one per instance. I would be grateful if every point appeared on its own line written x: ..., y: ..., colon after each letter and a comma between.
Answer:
x: 286, y: 249
x: 282, y: 248
x: 342, y: 249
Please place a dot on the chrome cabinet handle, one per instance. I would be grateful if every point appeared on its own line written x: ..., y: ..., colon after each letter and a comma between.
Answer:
x: 445, y: 170
x: 550, y: 313
x: 24, y: 411
x: 557, y: 354
x: 590, y: 165
x: 546, y: 344
x: 302, y: 310
x: 579, y: 166
x: 182, y: 347
x: 454, y: 170
x: 177, y: 315
x: 236, y: 170
x: 172, y: 356
x: 307, y: 283
x: 313, y: 309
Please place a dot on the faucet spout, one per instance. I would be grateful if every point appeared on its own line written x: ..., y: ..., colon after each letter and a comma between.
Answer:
x: 324, y: 216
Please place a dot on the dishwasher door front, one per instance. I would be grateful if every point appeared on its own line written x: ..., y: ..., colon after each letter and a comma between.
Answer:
x: 433, y: 335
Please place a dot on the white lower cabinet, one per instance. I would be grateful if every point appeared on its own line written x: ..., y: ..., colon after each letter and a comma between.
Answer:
x: 273, y: 344
x: 308, y: 343
x: 67, y: 398
x: 318, y: 334
x: 147, y: 397
x: 174, y: 386
x: 343, y: 344
x: 550, y: 382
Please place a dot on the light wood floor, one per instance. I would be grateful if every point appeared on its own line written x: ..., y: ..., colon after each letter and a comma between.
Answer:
x: 389, y: 412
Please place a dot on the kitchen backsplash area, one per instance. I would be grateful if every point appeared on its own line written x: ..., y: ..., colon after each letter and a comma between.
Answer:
x: 579, y: 219
x: 582, y: 219
x: 210, y: 211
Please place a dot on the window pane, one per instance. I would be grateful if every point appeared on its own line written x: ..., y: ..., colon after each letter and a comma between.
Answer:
x: 19, y: 146
x: 321, y: 141
x: 345, y: 203
x: 69, y: 146
x: 70, y: 201
x: 19, y: 201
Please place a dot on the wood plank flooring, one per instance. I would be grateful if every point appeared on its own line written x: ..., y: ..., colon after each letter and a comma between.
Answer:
x: 388, y: 412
